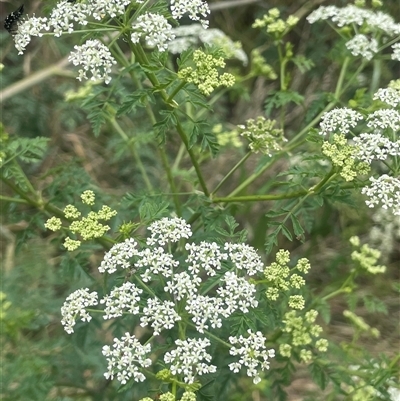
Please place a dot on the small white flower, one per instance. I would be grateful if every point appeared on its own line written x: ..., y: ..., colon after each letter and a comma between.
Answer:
x: 396, y: 52
x: 384, y: 190
x: 119, y: 256
x: 155, y: 29
x: 244, y: 257
x: 252, y: 354
x: 237, y: 294
x: 157, y: 261
x: 34, y: 26
x: 76, y: 304
x: 205, y: 256
x: 194, y: 35
x: 113, y: 8
x: 195, y: 8
x: 125, y: 358
x: 203, y: 309
x: 95, y: 58
x: 120, y: 299
x: 187, y: 359
x: 168, y: 230
x: 162, y: 314
x: 322, y: 13
x: 64, y: 14
x: 360, y: 45
x: 353, y: 15
x: 182, y: 285
x: 375, y: 146
x: 384, y: 118
x: 389, y: 96
x: 339, y: 120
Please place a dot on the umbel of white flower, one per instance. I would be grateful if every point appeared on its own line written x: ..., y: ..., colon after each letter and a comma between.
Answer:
x: 378, y: 143
x: 93, y: 57
x: 204, y: 282
x: 68, y: 17
x: 381, y: 28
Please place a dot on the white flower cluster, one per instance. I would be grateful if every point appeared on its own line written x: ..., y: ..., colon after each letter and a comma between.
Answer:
x: 95, y: 58
x: 379, y: 144
x: 377, y: 23
x: 76, y: 304
x: 204, y: 308
x: 375, y: 146
x: 125, y: 359
x: 339, y: 120
x: 121, y: 298
x: 362, y: 46
x: 384, y: 191
x: 114, y: 8
x: 168, y: 230
x: 187, y: 358
x: 207, y: 286
x: 162, y: 314
x: 157, y: 262
x: 64, y: 17
x: 155, y: 29
x: 119, y: 256
x: 194, y: 35
x: 396, y: 52
x: 237, y: 294
x: 253, y: 354
x: 244, y: 257
x: 64, y: 14
x: 385, y: 233
x: 389, y: 96
x: 352, y: 14
x: 206, y: 255
x: 384, y: 118
x: 33, y: 26
x: 195, y: 9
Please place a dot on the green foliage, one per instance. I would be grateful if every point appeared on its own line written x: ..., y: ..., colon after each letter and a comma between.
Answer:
x: 146, y: 143
x: 278, y: 99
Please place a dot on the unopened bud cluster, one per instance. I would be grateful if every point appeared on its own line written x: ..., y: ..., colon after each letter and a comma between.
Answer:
x: 86, y: 228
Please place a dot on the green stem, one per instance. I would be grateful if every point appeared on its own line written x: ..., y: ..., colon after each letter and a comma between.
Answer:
x: 193, y: 158
x: 146, y: 287
x: 213, y: 336
x: 14, y: 200
x: 281, y: 68
x: 132, y: 147
x: 39, y: 204
x: 175, y: 91
x: 394, y: 361
x: 254, y: 198
x: 179, y: 156
x: 251, y: 198
x: 344, y: 288
x: 233, y: 169
x: 291, y: 145
x: 342, y: 75
x: 174, y: 388
x: 171, y: 104
x: 283, y: 86
x: 170, y: 178
x: 335, y: 293
x: 376, y: 75
x: 161, y: 150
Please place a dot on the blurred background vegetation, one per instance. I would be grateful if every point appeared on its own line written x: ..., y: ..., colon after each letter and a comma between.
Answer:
x: 39, y: 360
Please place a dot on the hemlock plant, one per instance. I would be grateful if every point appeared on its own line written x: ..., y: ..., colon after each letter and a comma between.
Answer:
x: 181, y: 305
